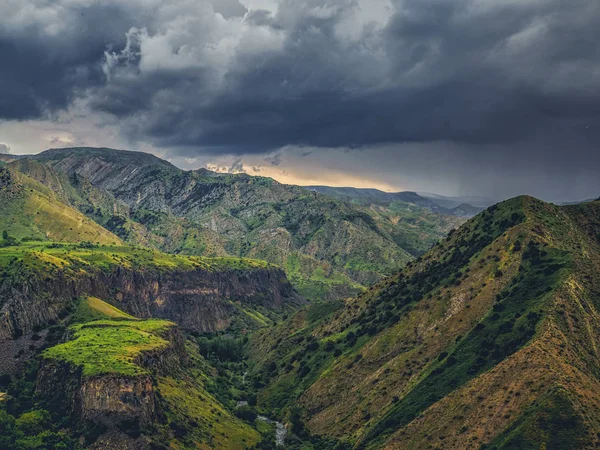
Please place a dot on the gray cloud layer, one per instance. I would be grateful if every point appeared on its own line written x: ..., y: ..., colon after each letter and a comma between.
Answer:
x: 255, y: 75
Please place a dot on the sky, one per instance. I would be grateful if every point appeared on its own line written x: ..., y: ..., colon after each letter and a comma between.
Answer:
x: 459, y: 97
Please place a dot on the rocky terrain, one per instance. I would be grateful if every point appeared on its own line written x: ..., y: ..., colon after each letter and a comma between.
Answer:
x: 329, y: 248
x: 486, y: 340
x: 198, y: 296
x: 122, y: 397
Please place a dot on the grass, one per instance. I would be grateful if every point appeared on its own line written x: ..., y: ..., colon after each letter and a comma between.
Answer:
x: 552, y: 422
x: 107, y: 346
x: 317, y: 280
x: 92, y: 308
x: 48, y: 257
x: 32, y: 211
x: 202, y: 422
x: 368, y: 368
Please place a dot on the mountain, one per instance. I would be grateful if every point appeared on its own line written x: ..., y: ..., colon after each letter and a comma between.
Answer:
x: 487, y: 341
x: 329, y: 248
x: 453, y: 202
x: 101, y: 342
x: 374, y: 196
x: 131, y: 318
x: 578, y: 202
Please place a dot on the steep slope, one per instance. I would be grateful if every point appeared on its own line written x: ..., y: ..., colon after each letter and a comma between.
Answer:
x: 415, y: 223
x: 487, y: 341
x: 159, y: 230
x: 31, y: 210
x: 134, y: 395
x: 40, y: 281
x: 329, y: 248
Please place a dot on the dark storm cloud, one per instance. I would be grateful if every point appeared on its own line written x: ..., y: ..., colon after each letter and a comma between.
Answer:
x: 473, y: 72
x: 220, y: 77
x: 43, y: 70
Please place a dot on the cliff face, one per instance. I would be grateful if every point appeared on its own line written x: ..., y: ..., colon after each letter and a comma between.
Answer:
x: 197, y: 300
x: 105, y: 400
x: 112, y: 400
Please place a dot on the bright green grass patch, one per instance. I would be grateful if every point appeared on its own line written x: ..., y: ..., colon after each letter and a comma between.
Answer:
x: 92, y: 308
x: 257, y: 317
x: 111, y: 346
x: 47, y: 256
x: 264, y: 428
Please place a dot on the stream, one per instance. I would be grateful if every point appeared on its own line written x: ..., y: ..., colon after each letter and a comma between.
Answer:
x: 280, y: 429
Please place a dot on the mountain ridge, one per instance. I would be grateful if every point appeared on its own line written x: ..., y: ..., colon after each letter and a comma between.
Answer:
x: 370, y: 195
x: 329, y: 248
x: 479, y: 325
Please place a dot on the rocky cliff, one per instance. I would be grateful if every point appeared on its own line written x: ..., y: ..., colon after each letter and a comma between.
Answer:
x: 125, y: 383
x: 111, y: 399
x: 198, y: 300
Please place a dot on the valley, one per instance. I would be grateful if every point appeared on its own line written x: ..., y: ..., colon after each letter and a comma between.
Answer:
x: 147, y: 307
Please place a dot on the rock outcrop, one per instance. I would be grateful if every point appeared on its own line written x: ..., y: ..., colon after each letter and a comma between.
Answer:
x: 197, y: 300
x: 112, y: 400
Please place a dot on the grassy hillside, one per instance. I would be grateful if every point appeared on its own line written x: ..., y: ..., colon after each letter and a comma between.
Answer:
x: 30, y: 210
x: 74, y: 258
x: 487, y: 340
x: 158, y: 230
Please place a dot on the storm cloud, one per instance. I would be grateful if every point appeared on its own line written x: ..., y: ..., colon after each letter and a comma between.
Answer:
x: 253, y: 76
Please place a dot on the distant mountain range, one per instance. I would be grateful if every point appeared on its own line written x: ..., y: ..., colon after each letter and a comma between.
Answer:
x: 435, y: 203
x: 453, y: 202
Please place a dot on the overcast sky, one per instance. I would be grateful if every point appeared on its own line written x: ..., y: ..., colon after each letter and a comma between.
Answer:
x: 479, y: 97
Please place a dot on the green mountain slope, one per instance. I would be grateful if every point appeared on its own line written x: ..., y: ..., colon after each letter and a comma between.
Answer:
x: 90, y: 354
x: 415, y: 223
x: 30, y: 210
x: 329, y: 248
x: 487, y: 341
x: 158, y: 230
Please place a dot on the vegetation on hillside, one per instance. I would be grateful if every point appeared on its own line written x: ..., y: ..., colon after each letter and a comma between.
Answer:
x: 329, y: 248
x: 49, y: 257
x: 366, y: 373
